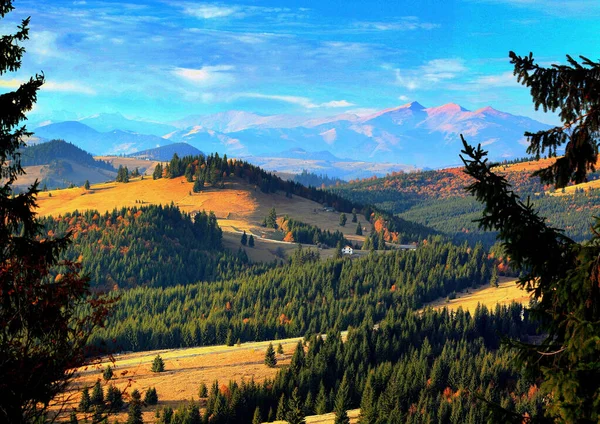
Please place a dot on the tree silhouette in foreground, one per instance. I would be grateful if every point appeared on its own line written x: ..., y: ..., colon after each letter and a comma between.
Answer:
x: 562, y: 276
x: 47, y: 313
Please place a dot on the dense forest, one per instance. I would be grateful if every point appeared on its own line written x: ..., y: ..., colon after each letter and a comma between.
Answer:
x: 153, y: 246
x: 437, y: 199
x: 413, y: 368
x: 45, y: 153
x: 304, y: 297
x: 300, y: 232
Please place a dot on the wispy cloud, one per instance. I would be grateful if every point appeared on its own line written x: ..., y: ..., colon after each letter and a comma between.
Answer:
x: 430, y: 73
x: 296, y: 100
x: 406, y: 23
x: 209, y: 11
x: 559, y: 8
x: 506, y: 79
x: 68, y: 87
x: 207, y: 75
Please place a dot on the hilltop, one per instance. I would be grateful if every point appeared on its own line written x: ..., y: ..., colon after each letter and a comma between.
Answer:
x: 438, y: 199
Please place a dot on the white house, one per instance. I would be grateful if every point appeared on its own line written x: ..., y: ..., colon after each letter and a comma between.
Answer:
x: 347, y: 250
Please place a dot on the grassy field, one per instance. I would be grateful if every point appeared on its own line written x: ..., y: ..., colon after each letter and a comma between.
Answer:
x: 239, y: 207
x: 185, y: 370
x: 505, y: 293
x: 327, y: 418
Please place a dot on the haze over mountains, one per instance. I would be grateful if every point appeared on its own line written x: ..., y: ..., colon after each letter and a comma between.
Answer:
x: 407, y: 136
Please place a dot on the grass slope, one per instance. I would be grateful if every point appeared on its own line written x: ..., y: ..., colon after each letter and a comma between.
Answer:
x: 506, y: 293
x: 239, y: 207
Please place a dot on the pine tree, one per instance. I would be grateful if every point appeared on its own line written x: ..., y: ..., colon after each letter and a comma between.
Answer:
x: 151, y: 397
x: 256, y: 419
x: 359, y: 229
x: 122, y: 174
x: 354, y: 218
x: 562, y: 275
x: 244, y: 239
x: 158, y: 171
x: 342, y: 400
x: 271, y: 220
x: 295, y: 415
x: 229, y: 340
x: 198, y: 185
x: 270, y: 359
x: 85, y: 402
x: 368, y: 403
x: 134, y: 415
x: 114, y: 397
x: 73, y: 418
x: 343, y: 219
x: 107, y: 374
x: 158, y: 364
x: 321, y: 404
x: 97, y: 397
x: 49, y: 325
x: 279, y: 349
x: 281, y: 408
x: 298, y: 359
x: 202, y: 391
x: 251, y: 241
x: 86, y: 185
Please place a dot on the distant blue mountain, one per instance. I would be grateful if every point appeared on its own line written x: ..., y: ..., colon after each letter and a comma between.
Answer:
x: 99, y: 143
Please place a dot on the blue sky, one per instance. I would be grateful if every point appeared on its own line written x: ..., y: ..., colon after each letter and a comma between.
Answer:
x: 163, y: 60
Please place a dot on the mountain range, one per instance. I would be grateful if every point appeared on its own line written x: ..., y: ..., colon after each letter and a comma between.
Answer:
x: 410, y: 135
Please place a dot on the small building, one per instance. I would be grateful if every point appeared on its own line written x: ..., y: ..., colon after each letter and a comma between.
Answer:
x: 347, y: 250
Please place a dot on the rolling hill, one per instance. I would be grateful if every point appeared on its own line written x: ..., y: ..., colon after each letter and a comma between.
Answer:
x: 165, y: 153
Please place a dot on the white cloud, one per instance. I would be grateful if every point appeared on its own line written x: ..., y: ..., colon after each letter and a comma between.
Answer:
x: 403, y: 98
x: 407, y: 23
x: 68, y: 87
x: 43, y: 43
x: 209, y: 11
x: 207, y: 75
x: 430, y: 73
x: 506, y: 79
x: 296, y: 100
x: 337, y: 103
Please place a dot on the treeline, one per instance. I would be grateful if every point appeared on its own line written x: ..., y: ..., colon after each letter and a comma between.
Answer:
x: 301, y: 232
x: 151, y: 246
x: 45, y: 153
x: 309, y: 179
x: 305, y: 297
x: 435, y: 367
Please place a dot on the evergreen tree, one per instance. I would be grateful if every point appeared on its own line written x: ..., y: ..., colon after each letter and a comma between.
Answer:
x: 198, y: 185
x: 86, y: 185
x: 73, y: 418
x: 86, y: 401
x: 97, y: 397
x: 494, y: 277
x: 136, y: 172
x: 244, y: 239
x: 44, y: 326
x: 114, y: 397
x: 229, y: 341
x: 282, y: 409
x: 279, y: 349
x: 271, y: 219
x: 151, y: 397
x: 158, y: 364
x: 270, y: 359
x: 342, y: 400
x: 562, y: 275
x: 251, y: 241
x: 256, y: 418
x: 359, y: 229
x: 158, y: 172
x: 134, y: 414
x: 202, y: 391
x: 321, y: 403
x: 295, y: 415
x: 354, y: 218
x: 122, y: 174
x: 298, y: 359
x: 107, y: 374
x: 343, y: 219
